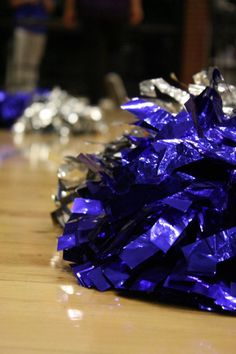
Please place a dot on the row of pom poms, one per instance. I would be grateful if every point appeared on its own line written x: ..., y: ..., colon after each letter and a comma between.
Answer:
x: 49, y: 111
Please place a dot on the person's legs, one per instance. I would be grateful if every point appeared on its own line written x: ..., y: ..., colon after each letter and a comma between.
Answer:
x: 113, y: 34
x: 15, y: 63
x: 34, y: 52
x: 94, y: 60
x: 27, y: 51
x: 113, y: 73
x: 101, y: 55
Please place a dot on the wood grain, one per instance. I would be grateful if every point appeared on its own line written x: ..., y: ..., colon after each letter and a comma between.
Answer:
x: 42, y: 309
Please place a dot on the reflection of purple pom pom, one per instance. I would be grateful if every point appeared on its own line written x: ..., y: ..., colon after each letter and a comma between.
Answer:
x: 157, y: 215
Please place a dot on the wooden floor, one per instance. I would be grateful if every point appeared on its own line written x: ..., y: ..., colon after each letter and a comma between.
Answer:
x: 42, y: 309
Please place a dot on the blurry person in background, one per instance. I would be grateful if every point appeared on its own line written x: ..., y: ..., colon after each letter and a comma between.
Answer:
x: 103, y: 23
x: 28, y: 45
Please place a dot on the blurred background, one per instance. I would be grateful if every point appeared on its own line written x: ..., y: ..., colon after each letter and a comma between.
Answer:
x: 180, y: 36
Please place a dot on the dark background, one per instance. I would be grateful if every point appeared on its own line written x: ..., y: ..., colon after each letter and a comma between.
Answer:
x: 152, y: 49
x: 149, y: 50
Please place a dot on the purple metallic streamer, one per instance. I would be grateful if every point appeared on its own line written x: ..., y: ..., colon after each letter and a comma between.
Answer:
x: 157, y: 212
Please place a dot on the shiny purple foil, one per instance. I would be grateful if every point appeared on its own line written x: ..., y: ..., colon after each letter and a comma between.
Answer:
x: 159, y: 216
x: 12, y: 107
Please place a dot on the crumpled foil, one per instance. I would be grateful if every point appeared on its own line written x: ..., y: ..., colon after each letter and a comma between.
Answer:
x: 155, y: 213
x: 59, y: 112
x: 173, y: 98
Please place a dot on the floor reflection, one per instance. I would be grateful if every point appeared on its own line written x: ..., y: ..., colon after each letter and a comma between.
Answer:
x: 145, y: 325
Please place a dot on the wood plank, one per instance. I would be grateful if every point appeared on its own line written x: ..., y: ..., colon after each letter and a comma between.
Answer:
x: 43, y: 309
